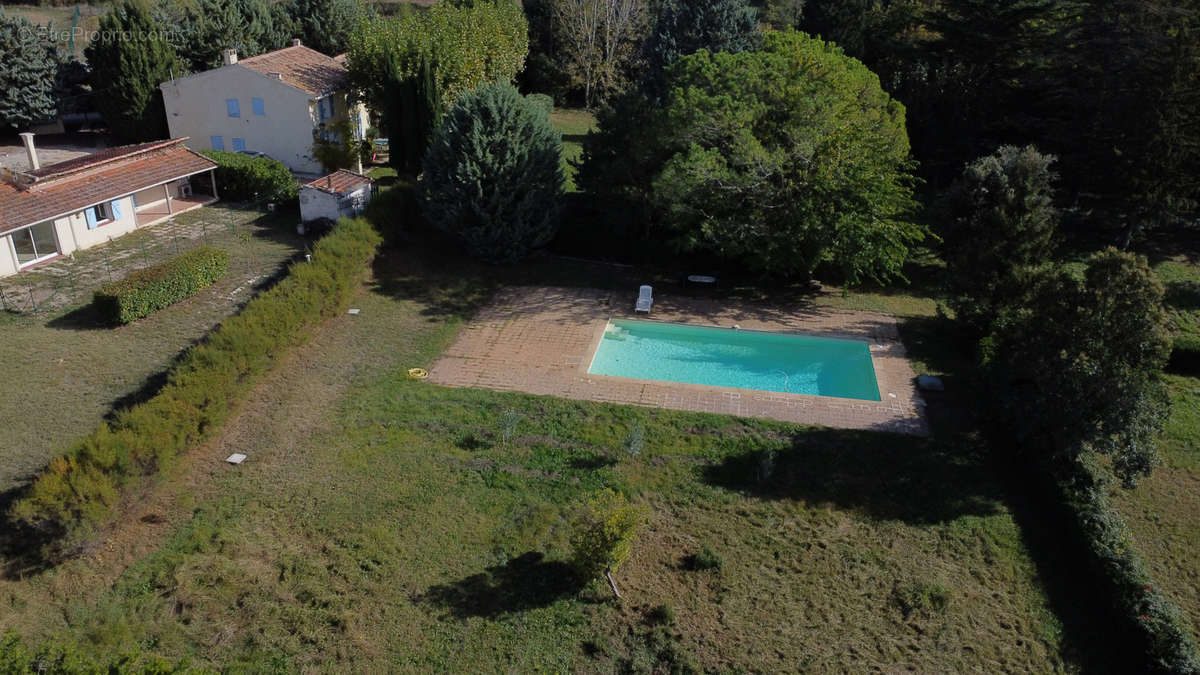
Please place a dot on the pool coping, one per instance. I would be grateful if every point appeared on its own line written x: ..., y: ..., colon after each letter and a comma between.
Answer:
x: 542, y: 340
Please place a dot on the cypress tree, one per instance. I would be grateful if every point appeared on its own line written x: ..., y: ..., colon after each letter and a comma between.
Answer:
x: 413, y: 110
x: 130, y: 58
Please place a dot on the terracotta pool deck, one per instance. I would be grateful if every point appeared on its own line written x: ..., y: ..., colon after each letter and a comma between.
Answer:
x: 541, y: 340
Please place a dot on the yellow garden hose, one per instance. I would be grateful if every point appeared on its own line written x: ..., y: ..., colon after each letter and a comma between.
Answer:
x: 418, y: 373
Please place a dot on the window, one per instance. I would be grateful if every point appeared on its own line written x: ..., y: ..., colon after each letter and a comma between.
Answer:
x: 325, y: 108
x: 257, y: 104
x: 218, y: 142
x: 231, y: 107
x: 98, y: 215
x: 35, y: 244
x: 239, y: 144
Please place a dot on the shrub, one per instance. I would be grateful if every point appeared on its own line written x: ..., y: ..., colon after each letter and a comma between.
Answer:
x: 394, y: 211
x: 541, y: 102
x: 153, y: 288
x: 493, y: 174
x: 1155, y: 622
x: 244, y: 178
x: 705, y: 559
x: 81, y: 489
x: 1185, y: 355
x: 602, y: 534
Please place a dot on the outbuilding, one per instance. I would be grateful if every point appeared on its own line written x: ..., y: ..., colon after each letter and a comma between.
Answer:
x: 341, y: 193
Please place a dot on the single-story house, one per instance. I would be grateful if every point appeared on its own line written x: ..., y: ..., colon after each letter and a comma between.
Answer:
x: 341, y: 193
x: 274, y: 103
x: 48, y: 211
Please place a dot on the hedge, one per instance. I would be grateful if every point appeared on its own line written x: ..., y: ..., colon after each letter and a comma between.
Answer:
x: 1152, y: 620
x: 81, y: 490
x: 245, y: 178
x: 1185, y: 355
x: 153, y: 288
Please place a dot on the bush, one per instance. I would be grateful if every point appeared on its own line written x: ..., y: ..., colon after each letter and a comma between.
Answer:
x: 80, y: 490
x: 493, y: 174
x: 1185, y: 355
x: 602, y: 534
x: 541, y: 102
x: 394, y: 211
x: 1153, y: 620
x: 705, y: 559
x: 153, y: 288
x: 244, y: 178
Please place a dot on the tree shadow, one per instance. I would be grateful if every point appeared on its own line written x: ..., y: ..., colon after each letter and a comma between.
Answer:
x: 891, y: 477
x: 1184, y: 295
x: 521, y: 584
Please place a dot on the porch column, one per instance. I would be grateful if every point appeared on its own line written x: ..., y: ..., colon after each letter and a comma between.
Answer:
x: 167, y: 189
x: 213, y: 176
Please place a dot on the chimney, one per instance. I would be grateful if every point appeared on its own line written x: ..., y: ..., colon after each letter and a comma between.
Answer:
x: 31, y: 150
x: 229, y: 56
x: 329, y: 182
x: 295, y: 42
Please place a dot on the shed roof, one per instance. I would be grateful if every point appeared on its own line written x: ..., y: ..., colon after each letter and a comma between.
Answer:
x: 340, y: 182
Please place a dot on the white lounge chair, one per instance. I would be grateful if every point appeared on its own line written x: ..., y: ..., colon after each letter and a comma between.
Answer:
x: 645, y: 299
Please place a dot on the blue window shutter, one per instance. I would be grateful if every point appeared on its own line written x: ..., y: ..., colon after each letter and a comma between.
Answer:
x: 257, y: 103
x: 90, y: 215
x: 218, y: 142
x: 239, y: 144
x: 116, y: 209
x: 231, y: 107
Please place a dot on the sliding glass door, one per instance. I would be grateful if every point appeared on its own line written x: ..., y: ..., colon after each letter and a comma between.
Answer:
x: 35, y: 244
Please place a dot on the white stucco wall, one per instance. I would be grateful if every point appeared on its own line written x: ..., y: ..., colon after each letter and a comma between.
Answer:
x: 155, y: 195
x: 316, y: 203
x: 8, y: 257
x: 112, y: 229
x: 196, y: 108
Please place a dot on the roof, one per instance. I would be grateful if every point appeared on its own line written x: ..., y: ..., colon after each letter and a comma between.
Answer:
x: 298, y: 66
x: 71, y: 186
x: 340, y: 182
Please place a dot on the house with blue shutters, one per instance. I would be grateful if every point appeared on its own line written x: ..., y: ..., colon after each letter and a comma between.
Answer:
x: 275, y: 103
x: 54, y: 210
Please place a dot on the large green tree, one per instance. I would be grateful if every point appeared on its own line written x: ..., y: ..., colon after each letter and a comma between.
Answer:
x: 687, y: 27
x: 1077, y: 365
x: 623, y: 155
x: 27, y: 73
x: 493, y: 174
x: 471, y: 45
x: 326, y: 25
x: 786, y: 158
x: 129, y: 58
x: 411, y: 111
x: 202, y: 29
x: 999, y: 222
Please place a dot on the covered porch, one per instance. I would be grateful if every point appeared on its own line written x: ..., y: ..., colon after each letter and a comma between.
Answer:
x: 158, y: 203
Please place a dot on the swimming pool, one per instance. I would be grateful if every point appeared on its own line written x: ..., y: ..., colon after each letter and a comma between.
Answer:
x: 744, y: 359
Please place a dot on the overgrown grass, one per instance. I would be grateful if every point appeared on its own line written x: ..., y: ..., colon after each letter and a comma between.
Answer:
x: 400, y: 525
x: 68, y: 370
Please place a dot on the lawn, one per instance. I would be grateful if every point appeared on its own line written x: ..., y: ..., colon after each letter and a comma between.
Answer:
x: 382, y: 523
x: 573, y: 124
x: 66, y: 372
x: 62, y: 20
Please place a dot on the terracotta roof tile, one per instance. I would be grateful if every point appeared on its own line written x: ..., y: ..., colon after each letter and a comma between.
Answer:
x: 104, y: 156
x: 340, y: 181
x: 81, y: 188
x: 305, y: 69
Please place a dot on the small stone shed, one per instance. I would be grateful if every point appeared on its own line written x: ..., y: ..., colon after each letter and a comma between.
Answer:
x: 341, y: 193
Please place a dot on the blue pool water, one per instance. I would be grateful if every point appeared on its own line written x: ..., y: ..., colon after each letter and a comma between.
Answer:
x: 724, y: 357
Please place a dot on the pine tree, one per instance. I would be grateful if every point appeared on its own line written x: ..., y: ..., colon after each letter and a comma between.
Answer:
x: 326, y: 25
x: 130, y: 57
x: 27, y: 74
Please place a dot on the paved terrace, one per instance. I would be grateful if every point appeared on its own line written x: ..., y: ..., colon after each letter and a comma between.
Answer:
x: 541, y: 340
